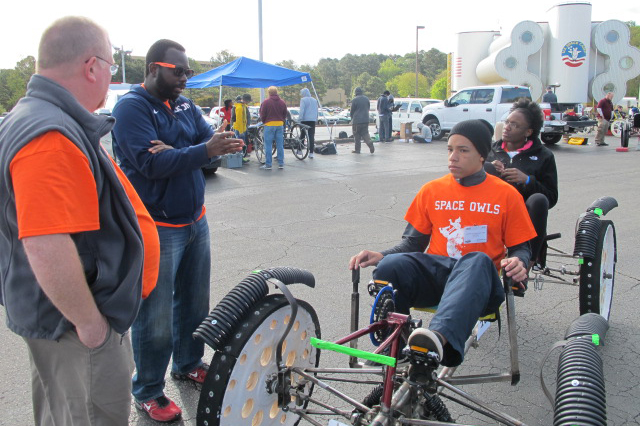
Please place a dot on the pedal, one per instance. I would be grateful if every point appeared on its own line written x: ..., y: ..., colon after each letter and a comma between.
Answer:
x: 375, y: 286
x: 520, y: 289
x: 518, y: 292
x: 422, y: 366
x: 421, y: 359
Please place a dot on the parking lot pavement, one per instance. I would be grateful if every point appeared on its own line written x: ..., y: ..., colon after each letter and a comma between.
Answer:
x: 315, y: 214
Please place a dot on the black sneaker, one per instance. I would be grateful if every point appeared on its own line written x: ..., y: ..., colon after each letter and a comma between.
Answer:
x: 603, y: 144
x: 425, y: 340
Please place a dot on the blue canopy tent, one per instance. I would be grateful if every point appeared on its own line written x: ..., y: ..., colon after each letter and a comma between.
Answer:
x: 245, y: 72
x: 250, y: 73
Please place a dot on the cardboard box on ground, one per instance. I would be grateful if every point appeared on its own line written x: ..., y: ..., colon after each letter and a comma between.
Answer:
x: 406, y: 133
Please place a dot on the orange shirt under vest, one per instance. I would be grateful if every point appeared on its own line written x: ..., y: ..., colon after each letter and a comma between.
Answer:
x: 56, y: 194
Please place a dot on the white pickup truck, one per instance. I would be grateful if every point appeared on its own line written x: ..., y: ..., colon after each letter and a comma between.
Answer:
x: 483, y: 102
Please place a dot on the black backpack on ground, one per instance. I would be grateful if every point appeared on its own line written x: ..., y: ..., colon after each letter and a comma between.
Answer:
x: 326, y: 149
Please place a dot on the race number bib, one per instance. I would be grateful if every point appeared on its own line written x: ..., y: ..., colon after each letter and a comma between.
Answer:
x: 475, y: 234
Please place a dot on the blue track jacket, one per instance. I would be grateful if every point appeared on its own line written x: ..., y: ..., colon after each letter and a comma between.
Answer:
x: 170, y: 183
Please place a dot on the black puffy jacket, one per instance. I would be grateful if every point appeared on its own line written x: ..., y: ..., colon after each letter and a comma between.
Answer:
x: 538, y: 163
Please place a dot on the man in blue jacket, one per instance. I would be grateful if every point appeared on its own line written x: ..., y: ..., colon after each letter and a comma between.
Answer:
x: 162, y: 142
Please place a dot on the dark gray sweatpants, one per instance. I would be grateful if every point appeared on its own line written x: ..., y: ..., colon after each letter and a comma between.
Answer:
x: 464, y: 290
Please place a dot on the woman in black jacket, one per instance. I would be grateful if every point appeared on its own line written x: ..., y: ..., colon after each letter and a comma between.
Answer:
x: 520, y: 159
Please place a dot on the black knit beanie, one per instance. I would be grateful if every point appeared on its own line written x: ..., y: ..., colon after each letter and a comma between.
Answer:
x: 479, y: 132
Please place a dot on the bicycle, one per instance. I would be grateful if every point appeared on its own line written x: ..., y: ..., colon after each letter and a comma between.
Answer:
x: 255, y: 141
x: 295, y: 138
x: 265, y: 368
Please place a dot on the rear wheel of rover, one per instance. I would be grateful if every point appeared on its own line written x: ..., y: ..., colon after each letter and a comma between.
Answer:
x: 597, y: 274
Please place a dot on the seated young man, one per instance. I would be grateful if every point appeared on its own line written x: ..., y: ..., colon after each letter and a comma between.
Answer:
x: 464, y: 220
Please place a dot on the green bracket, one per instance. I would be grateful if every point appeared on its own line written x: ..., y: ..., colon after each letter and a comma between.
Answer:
x: 380, y: 359
x: 595, y: 339
x: 598, y: 211
x: 581, y: 261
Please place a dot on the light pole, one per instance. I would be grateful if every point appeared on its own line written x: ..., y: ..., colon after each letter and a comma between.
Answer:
x: 260, y: 42
x: 122, y: 53
x: 419, y: 27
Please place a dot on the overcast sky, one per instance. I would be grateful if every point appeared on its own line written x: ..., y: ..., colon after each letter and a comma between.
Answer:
x: 300, y: 30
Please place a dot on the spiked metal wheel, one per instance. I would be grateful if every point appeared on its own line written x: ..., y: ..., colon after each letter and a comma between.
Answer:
x: 234, y: 392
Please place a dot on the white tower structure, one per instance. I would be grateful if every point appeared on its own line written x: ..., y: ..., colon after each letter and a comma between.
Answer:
x: 610, y: 41
x: 568, y: 53
x: 508, y: 60
x: 471, y: 48
x: 583, y: 59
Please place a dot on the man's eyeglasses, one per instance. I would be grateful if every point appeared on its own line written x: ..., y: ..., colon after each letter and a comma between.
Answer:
x: 113, y: 68
x: 177, y: 71
x: 511, y: 124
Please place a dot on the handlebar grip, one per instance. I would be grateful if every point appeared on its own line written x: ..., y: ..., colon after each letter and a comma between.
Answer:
x: 355, y: 276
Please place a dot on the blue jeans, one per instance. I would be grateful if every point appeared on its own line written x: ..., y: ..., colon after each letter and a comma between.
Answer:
x: 242, y: 136
x: 463, y: 289
x: 272, y: 133
x: 173, y: 310
x: 389, y: 126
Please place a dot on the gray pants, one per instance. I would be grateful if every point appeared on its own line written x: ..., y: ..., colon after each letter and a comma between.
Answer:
x: 361, y: 133
x: 603, y: 126
x: 74, y: 385
x: 383, y: 123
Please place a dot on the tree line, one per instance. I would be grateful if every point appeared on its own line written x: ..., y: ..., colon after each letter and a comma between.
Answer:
x: 373, y: 72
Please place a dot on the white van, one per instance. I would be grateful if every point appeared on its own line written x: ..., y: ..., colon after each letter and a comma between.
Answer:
x: 408, y: 110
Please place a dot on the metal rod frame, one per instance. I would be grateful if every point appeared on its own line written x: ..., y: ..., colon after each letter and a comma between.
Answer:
x: 444, y: 380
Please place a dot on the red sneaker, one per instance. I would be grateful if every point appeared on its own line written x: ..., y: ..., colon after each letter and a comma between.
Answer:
x: 161, y: 409
x: 196, y: 375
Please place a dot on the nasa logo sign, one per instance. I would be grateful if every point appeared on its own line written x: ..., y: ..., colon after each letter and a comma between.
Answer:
x: 574, y: 54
